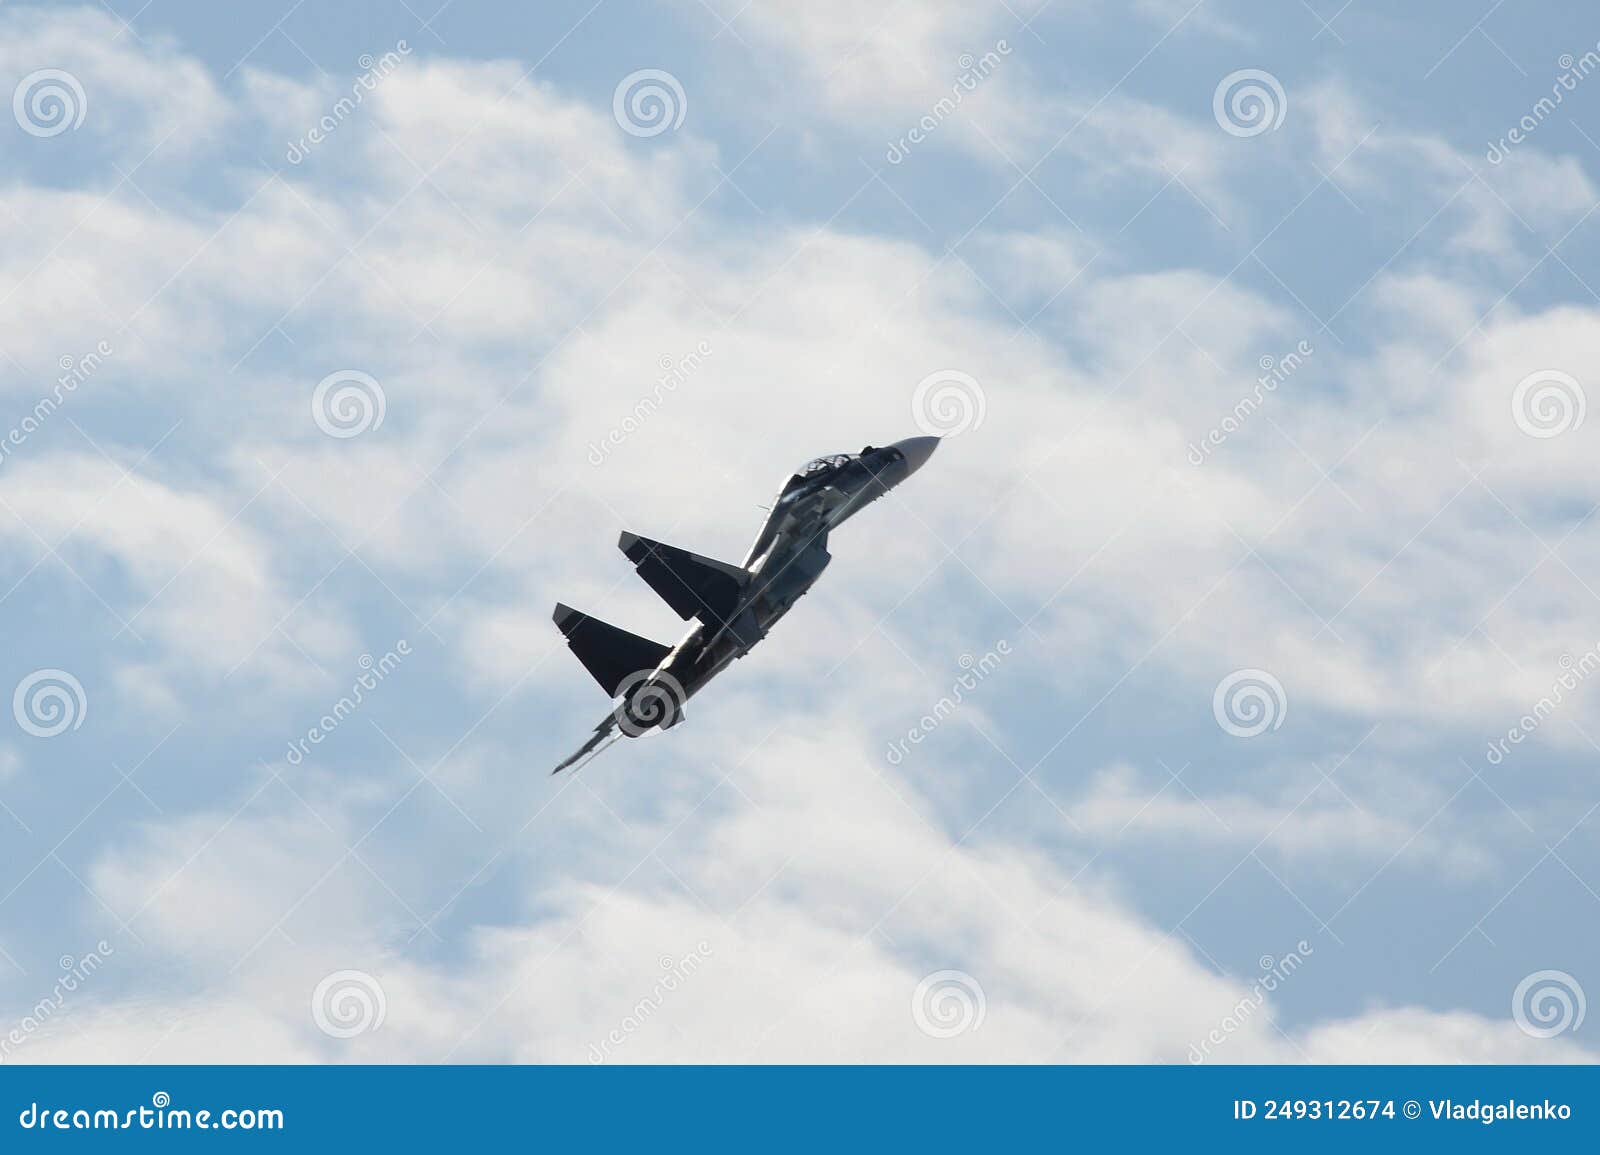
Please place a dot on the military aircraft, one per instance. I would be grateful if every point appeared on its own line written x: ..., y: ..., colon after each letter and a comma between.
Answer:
x: 733, y: 605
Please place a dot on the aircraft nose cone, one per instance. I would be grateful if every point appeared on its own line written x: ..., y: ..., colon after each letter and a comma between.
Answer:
x: 917, y: 451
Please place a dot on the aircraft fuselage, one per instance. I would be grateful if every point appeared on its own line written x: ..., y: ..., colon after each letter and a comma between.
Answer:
x: 735, y: 606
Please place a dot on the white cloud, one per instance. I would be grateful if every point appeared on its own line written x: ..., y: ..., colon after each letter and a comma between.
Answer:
x: 515, y: 302
x: 1413, y: 1035
x: 1308, y: 815
x: 899, y: 61
x: 202, y: 580
x: 1507, y: 212
x: 815, y: 907
x: 133, y: 100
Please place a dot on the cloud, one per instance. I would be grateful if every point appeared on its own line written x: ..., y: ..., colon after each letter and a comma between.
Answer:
x: 128, y: 101
x: 1310, y: 815
x: 854, y: 60
x: 812, y: 910
x: 516, y: 272
x: 1412, y: 1035
x: 1505, y: 212
x: 199, y: 579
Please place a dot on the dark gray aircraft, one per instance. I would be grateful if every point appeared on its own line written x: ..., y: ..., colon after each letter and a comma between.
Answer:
x: 735, y: 605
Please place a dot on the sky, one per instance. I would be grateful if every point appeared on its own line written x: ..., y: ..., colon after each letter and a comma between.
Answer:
x: 1218, y: 692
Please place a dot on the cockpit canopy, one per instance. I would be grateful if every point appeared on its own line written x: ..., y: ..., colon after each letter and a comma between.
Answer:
x: 816, y: 469
x: 822, y: 467
x: 825, y: 464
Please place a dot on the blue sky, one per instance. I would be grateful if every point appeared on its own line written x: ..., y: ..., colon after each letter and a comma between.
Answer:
x: 1283, y: 393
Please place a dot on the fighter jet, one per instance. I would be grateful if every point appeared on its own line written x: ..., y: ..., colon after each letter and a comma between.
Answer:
x: 733, y: 606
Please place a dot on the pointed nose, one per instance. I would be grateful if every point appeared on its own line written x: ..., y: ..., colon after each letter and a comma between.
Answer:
x: 917, y: 450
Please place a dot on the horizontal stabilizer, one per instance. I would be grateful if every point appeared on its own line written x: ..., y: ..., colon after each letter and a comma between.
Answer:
x: 694, y: 586
x: 610, y: 654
